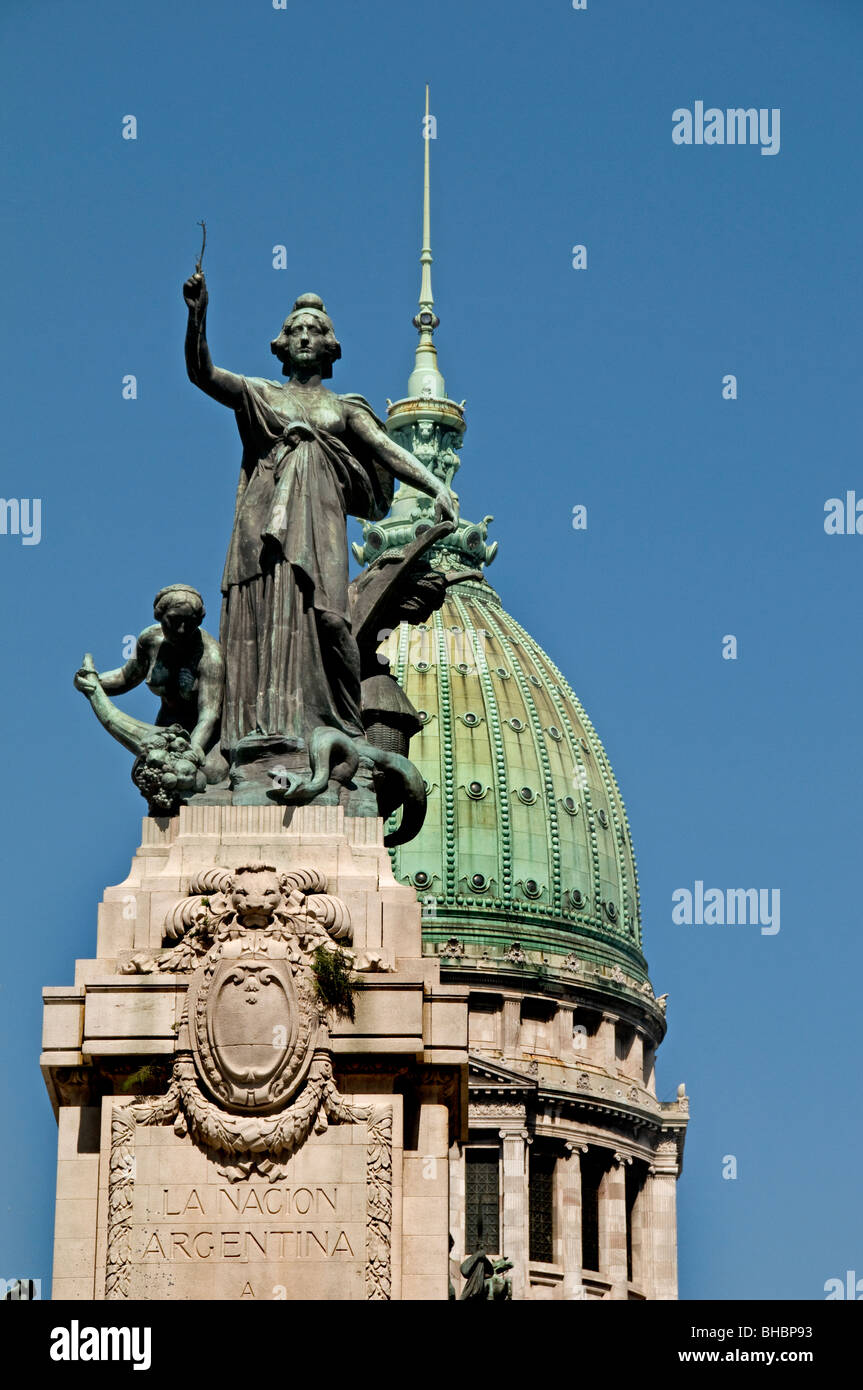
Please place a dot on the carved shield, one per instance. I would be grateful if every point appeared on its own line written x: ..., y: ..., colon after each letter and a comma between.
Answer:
x: 251, y: 1035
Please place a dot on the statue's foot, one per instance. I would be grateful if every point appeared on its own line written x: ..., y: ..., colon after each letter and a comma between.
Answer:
x: 216, y: 768
x: 265, y: 763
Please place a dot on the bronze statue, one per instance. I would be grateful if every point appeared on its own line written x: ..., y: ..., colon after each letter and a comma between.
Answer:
x: 181, y: 664
x: 486, y: 1278
x: 167, y: 769
x: 310, y: 459
x: 294, y: 678
x: 397, y: 588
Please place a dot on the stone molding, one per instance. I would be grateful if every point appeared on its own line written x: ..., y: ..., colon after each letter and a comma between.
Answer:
x: 501, y: 1110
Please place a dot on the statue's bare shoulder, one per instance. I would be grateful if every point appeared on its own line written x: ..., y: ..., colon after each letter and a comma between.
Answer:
x: 212, y: 660
x: 150, y: 638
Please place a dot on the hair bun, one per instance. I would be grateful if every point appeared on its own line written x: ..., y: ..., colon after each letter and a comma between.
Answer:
x: 185, y: 592
x: 309, y: 301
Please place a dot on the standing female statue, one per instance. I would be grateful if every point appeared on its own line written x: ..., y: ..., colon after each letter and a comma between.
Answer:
x: 310, y: 459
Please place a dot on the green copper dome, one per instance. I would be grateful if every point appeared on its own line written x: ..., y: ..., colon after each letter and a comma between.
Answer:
x: 526, y: 846
x: 525, y: 858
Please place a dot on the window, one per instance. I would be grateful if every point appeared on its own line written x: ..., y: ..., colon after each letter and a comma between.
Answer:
x: 537, y: 1027
x: 482, y: 1201
x: 633, y: 1182
x: 623, y: 1038
x: 591, y: 1177
x: 647, y: 1065
x: 541, y: 1207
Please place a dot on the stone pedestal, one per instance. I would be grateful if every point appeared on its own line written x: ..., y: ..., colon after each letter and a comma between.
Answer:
x: 191, y: 1165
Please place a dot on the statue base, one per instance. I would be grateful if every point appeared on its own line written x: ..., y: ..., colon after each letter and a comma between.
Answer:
x: 265, y: 766
x: 264, y: 763
x: 328, y: 1178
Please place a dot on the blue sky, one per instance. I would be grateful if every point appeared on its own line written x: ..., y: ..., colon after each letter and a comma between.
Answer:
x: 601, y: 387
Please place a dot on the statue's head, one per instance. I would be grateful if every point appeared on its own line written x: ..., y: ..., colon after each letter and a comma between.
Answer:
x: 307, y: 340
x: 180, y: 610
x: 255, y: 894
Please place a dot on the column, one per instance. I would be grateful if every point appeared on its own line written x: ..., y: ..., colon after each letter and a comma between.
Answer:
x: 661, y: 1190
x: 457, y: 1204
x: 563, y: 1032
x: 636, y: 1057
x: 612, y: 1227
x: 568, y: 1242
x: 514, y: 1232
x: 649, y: 1066
x: 606, y: 1040
x: 511, y: 1026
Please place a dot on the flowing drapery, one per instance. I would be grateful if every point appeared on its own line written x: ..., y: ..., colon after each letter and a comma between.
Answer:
x: 291, y: 663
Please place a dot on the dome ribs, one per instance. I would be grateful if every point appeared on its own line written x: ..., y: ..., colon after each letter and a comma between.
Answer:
x: 537, y: 738
x: 501, y: 780
x: 627, y: 871
x: 552, y: 820
x: 447, y: 769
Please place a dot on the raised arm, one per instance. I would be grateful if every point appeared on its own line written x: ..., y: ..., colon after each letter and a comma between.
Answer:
x: 225, y: 387
x: 401, y: 464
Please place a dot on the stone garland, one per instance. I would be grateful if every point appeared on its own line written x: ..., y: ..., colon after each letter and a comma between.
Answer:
x: 120, y: 1190
x: 379, y: 1188
x: 277, y: 1136
x: 121, y: 1179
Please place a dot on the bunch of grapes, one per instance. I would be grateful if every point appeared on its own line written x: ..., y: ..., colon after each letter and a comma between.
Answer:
x: 169, y: 771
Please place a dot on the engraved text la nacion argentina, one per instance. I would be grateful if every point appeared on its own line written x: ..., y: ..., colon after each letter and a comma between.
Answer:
x: 233, y: 1224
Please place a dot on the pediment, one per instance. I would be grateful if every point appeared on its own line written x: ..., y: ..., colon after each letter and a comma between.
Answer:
x: 482, y: 1071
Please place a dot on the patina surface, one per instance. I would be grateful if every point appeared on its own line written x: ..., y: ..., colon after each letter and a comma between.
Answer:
x: 310, y: 459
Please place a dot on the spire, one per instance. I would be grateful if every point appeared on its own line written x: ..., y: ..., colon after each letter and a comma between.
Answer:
x: 425, y: 379
x: 430, y: 426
